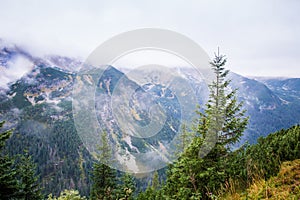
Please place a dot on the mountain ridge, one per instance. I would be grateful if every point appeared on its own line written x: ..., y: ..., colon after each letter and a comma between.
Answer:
x: 39, y: 106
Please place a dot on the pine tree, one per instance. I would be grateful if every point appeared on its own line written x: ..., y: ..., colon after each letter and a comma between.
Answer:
x: 104, y: 177
x: 8, y: 182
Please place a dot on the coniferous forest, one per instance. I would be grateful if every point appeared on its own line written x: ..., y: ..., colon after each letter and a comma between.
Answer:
x: 210, y: 166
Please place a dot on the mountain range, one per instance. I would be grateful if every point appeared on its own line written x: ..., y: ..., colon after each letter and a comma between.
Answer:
x: 36, y: 101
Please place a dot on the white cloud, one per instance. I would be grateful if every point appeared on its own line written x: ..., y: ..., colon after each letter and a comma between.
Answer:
x: 15, y: 69
x: 149, y: 57
x: 245, y: 30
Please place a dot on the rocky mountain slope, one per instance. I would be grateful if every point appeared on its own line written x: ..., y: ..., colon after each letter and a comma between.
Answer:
x: 36, y: 100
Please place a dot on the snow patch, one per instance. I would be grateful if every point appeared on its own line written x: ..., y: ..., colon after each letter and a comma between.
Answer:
x: 127, y: 139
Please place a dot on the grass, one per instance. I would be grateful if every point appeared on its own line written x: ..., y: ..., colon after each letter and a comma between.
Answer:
x: 286, y: 185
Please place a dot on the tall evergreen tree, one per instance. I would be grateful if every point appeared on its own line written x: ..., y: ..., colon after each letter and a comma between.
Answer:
x: 127, y: 187
x: 17, y: 175
x: 223, y: 110
x: 8, y: 183
x: 153, y: 191
x: 184, y: 139
x: 104, y: 177
x: 29, y: 187
x: 155, y: 181
x: 201, y: 169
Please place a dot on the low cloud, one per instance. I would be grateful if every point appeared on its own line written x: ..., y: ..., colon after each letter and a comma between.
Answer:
x: 15, y: 69
x: 253, y: 34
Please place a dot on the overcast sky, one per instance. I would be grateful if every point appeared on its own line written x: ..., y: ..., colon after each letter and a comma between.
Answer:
x: 260, y: 38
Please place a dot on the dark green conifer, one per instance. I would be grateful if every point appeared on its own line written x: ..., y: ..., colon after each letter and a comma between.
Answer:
x: 8, y: 182
x: 29, y: 187
x: 201, y: 169
x: 104, y: 177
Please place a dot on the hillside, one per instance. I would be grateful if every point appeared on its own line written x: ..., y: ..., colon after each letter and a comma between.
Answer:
x: 38, y: 105
x: 285, y: 185
x: 269, y: 169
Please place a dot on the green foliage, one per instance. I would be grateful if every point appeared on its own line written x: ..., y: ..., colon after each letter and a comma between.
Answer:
x: 155, y: 181
x: 104, y: 177
x: 106, y: 182
x: 153, y: 190
x: 126, y: 188
x: 206, y: 165
x: 285, y: 185
x: 262, y: 160
x: 8, y: 183
x: 68, y: 195
x: 62, y: 161
x: 234, y: 172
x: 5, y: 135
x: 28, y: 180
x: 269, y: 152
x: 18, y: 178
x: 221, y: 124
x: 184, y: 140
x: 223, y: 112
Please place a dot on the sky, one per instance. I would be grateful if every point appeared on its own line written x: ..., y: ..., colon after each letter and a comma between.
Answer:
x: 259, y: 38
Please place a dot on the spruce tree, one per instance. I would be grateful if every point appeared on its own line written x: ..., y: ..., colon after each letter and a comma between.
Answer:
x: 184, y: 139
x: 17, y: 174
x: 29, y: 187
x: 155, y: 181
x: 127, y: 187
x: 223, y: 110
x: 104, y: 177
x: 9, y: 187
x: 152, y: 191
x: 200, y: 171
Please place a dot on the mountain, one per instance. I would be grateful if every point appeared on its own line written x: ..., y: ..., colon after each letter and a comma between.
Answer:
x: 282, y: 110
x: 39, y: 107
x: 37, y: 103
x: 271, y: 105
x: 287, y: 89
x: 141, y: 121
x: 267, y: 108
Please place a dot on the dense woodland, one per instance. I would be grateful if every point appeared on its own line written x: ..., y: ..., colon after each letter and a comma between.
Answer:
x: 208, y: 167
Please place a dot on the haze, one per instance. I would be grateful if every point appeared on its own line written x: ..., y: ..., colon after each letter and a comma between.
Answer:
x: 260, y: 38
